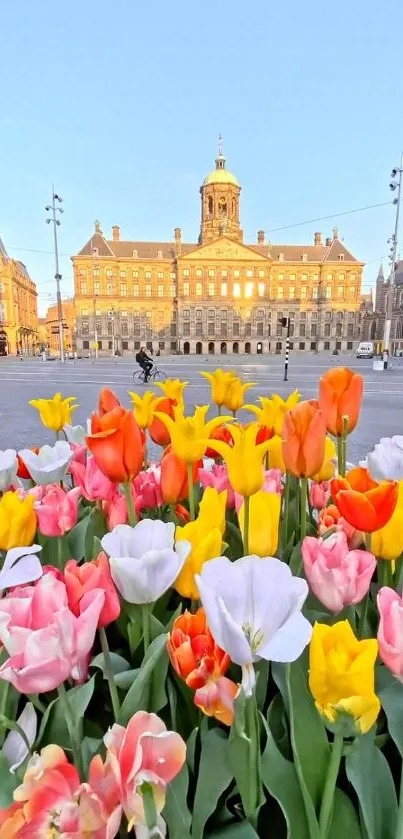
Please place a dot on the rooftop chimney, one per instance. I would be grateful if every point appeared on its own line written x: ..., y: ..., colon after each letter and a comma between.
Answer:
x: 328, y: 241
x: 318, y: 239
x: 260, y: 237
x: 115, y: 233
x: 335, y: 233
x: 178, y: 234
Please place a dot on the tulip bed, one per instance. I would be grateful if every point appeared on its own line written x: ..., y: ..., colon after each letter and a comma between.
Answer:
x: 210, y: 645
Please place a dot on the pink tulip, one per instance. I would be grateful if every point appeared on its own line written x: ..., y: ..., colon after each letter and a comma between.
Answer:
x: 145, y: 750
x: 57, y: 510
x: 94, y: 485
x: 390, y: 632
x: 337, y: 576
x: 217, y: 477
x: 147, y: 488
x: 46, y: 642
x: 272, y: 484
x: 79, y: 454
x: 319, y: 494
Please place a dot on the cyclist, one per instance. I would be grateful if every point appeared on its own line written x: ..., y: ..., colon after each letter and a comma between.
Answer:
x: 145, y: 362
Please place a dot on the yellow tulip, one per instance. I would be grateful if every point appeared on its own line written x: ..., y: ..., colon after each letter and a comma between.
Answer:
x: 264, y: 518
x: 206, y: 543
x: 173, y: 389
x: 144, y: 407
x: 212, y: 509
x: 235, y: 394
x: 265, y: 414
x: 17, y: 521
x: 387, y: 543
x: 275, y: 450
x: 341, y: 675
x: 190, y: 435
x: 243, y: 459
x: 281, y: 406
x: 220, y: 381
x: 327, y: 470
x: 55, y: 412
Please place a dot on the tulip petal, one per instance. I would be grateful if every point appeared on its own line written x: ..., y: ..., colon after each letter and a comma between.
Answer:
x: 21, y: 566
x: 15, y: 747
x: 226, y: 632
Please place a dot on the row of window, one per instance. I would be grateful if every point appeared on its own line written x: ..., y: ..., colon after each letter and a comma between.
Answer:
x: 215, y: 272
x: 222, y: 314
x: 248, y: 291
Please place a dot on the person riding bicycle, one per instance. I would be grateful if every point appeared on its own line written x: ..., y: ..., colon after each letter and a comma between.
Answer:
x: 145, y: 362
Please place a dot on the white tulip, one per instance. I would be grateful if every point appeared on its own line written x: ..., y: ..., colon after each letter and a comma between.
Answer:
x: 50, y: 464
x: 15, y: 748
x: 253, y: 609
x: 144, y: 561
x: 20, y: 566
x: 8, y: 468
x: 386, y: 460
x: 77, y: 433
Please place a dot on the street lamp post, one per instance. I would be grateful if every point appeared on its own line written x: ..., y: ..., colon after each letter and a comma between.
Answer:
x: 56, y: 222
x: 95, y: 331
x: 396, y: 183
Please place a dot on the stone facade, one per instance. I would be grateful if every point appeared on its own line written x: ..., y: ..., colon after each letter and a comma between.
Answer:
x: 218, y: 295
x: 18, y: 307
x: 381, y: 298
x: 52, y: 326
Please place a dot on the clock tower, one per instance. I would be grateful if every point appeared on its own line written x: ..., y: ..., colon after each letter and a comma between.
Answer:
x: 220, y: 194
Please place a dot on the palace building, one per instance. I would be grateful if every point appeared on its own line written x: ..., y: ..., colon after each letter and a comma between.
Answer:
x: 218, y: 294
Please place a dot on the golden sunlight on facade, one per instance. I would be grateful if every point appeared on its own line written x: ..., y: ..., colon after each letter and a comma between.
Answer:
x: 18, y: 307
x: 52, y: 326
x: 216, y: 295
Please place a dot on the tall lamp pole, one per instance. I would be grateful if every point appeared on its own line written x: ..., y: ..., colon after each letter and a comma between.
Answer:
x: 285, y: 322
x: 56, y: 222
x: 396, y: 183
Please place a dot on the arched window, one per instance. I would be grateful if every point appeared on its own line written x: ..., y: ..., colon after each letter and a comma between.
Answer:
x: 234, y: 207
x: 223, y: 206
x: 210, y: 206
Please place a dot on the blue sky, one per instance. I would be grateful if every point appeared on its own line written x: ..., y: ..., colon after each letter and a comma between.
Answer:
x: 121, y: 104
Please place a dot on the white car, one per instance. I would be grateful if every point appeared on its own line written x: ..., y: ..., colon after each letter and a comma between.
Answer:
x: 365, y: 350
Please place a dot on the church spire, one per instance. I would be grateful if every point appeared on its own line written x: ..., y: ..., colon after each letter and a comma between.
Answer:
x: 381, y: 277
x: 220, y: 160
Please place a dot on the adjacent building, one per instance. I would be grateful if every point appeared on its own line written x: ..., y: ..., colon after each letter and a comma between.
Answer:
x: 52, y: 326
x: 219, y: 294
x: 18, y: 307
x: 383, y: 289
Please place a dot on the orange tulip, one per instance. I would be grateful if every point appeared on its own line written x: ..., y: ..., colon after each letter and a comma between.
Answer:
x: 22, y: 470
x: 220, y: 433
x: 117, y: 444
x: 362, y: 502
x: 107, y: 401
x: 340, y: 395
x: 304, y: 435
x: 174, y: 477
x: 201, y: 663
x: 157, y: 430
x: 264, y: 433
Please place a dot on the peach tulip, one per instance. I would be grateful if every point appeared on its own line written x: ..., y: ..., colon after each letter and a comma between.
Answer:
x: 390, y: 632
x: 340, y: 395
x: 304, y: 434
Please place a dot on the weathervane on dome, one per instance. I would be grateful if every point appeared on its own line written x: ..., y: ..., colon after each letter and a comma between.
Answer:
x: 220, y: 145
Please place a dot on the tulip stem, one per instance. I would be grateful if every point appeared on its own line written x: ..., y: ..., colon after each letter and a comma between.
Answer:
x: 340, y: 456
x: 302, y: 506
x: 146, y: 626
x: 368, y: 541
x: 286, y: 510
x: 344, y: 443
x: 191, y: 492
x: 246, y: 502
x: 109, y: 673
x: 127, y: 488
x: 219, y: 409
x: 330, y: 786
x: 72, y: 728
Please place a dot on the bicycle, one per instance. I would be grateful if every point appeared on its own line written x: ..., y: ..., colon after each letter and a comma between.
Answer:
x: 155, y: 375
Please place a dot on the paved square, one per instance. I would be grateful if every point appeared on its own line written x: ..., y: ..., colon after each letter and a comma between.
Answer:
x: 20, y: 381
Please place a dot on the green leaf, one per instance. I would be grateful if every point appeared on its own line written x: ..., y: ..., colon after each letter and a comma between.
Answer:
x: 141, y: 691
x: 176, y: 812
x: 345, y: 822
x: 215, y: 776
x: 368, y: 772
x: 191, y: 749
x: 8, y: 783
x: 54, y: 727
x: 119, y: 664
x: 95, y: 531
x: 126, y: 679
x: 308, y: 734
x: 390, y: 692
x: 280, y: 779
x: 244, y: 753
x: 238, y: 830
x: 76, y: 538
x: 90, y: 747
